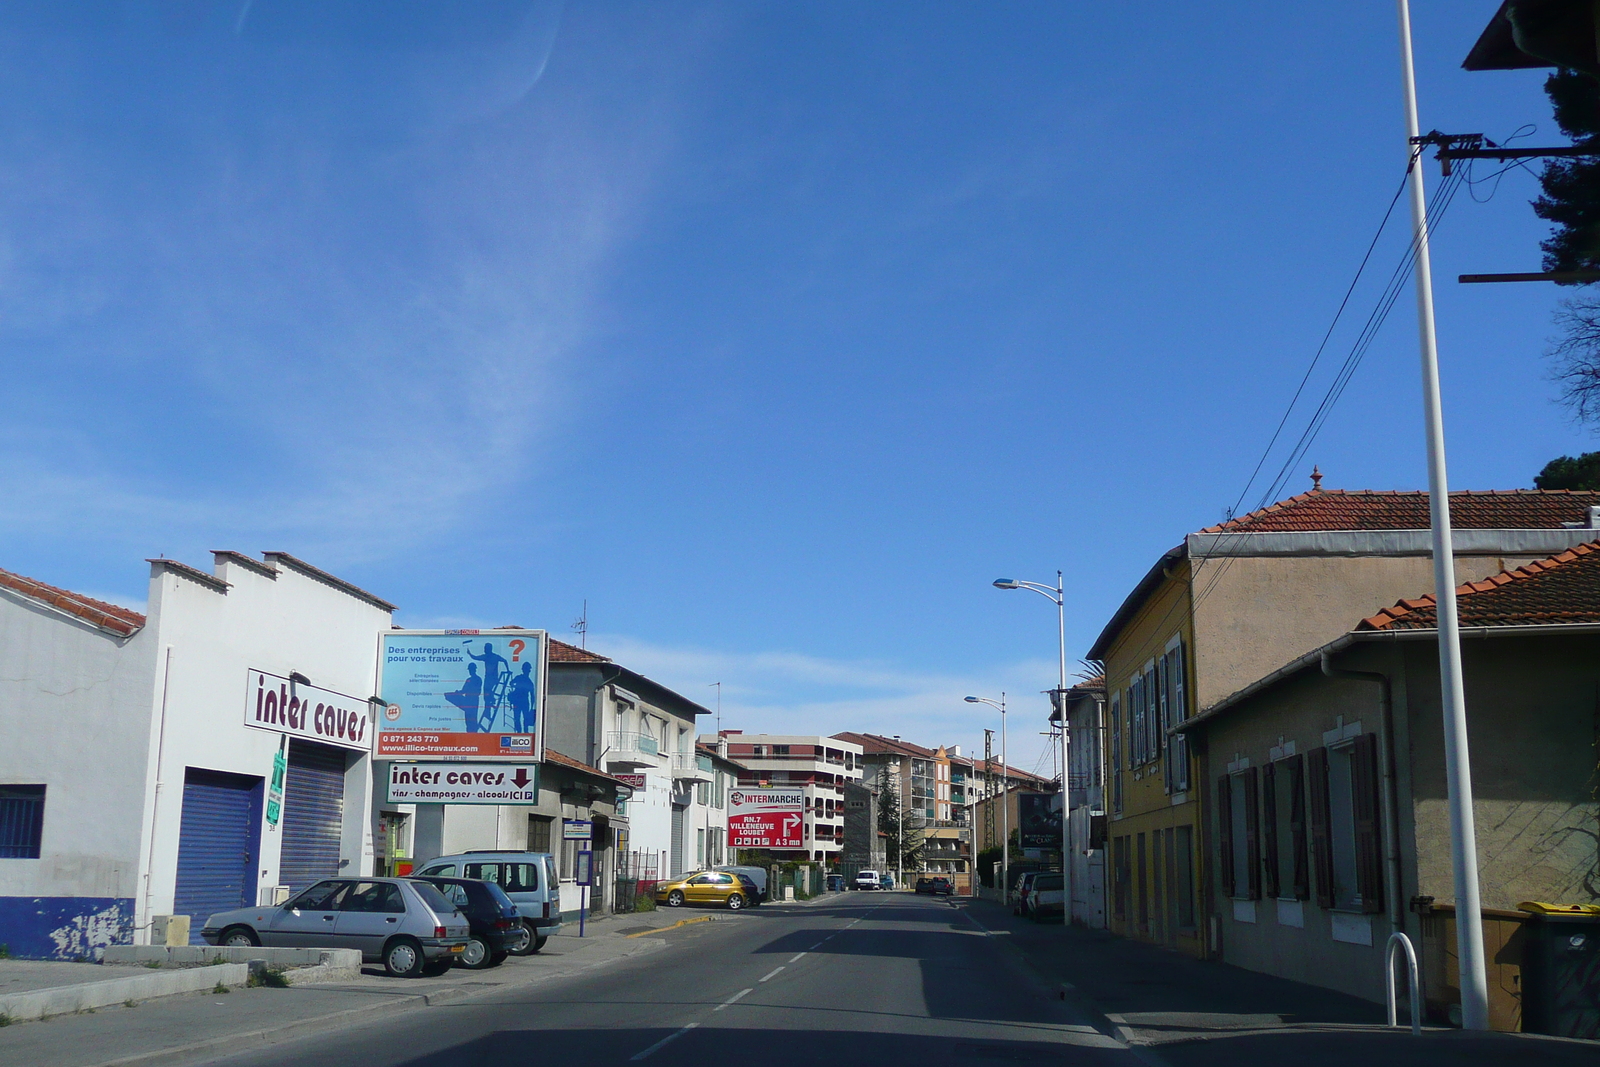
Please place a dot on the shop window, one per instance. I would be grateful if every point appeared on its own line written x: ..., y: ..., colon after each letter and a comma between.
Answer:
x: 21, y: 821
x: 539, y: 833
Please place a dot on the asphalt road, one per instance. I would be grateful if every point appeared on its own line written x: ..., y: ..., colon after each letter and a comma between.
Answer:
x: 860, y: 978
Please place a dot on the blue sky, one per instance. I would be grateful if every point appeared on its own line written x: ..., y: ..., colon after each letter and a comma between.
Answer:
x: 774, y: 330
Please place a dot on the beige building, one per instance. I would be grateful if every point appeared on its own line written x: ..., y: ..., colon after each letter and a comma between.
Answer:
x: 1328, y: 827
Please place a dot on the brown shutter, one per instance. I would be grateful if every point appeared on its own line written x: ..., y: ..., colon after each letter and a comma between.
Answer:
x: 1369, y: 836
x: 1252, y: 835
x: 1296, y: 766
x: 1225, y: 832
x: 1270, y: 886
x: 1321, y: 842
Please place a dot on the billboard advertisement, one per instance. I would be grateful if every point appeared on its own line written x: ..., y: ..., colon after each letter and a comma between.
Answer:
x: 462, y: 694
x: 463, y: 783
x: 282, y: 706
x: 1038, y: 826
x: 765, y: 818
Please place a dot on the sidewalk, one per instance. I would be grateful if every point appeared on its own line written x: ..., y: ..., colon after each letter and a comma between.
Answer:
x: 1182, y: 1012
x: 179, y: 1029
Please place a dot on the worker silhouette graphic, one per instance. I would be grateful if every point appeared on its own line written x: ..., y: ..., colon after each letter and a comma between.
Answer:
x: 493, y: 664
x: 466, y: 698
x: 522, y: 701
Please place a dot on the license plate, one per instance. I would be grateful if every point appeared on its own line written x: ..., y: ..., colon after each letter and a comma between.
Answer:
x: 458, y: 948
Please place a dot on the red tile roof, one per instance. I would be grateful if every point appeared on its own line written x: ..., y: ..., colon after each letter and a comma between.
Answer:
x: 561, y: 759
x: 1561, y: 589
x: 123, y: 622
x: 877, y: 744
x: 561, y: 652
x: 1370, y: 509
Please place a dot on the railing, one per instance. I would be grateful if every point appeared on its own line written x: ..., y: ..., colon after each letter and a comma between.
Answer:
x: 1401, y: 940
x: 632, y: 741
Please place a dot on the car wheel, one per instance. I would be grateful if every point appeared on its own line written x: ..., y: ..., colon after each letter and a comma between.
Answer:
x: 538, y: 943
x: 403, y: 958
x: 675, y: 899
x: 735, y: 901
x: 437, y: 967
x: 475, y: 957
x: 497, y: 959
x: 239, y: 937
x: 522, y: 945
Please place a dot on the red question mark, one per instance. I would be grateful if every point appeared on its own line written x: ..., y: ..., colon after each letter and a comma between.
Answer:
x: 516, y: 649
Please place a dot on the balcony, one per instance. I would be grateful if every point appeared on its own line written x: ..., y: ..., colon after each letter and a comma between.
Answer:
x: 689, y: 767
x: 632, y: 751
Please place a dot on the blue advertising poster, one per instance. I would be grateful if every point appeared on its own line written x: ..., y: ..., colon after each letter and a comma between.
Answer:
x: 463, y: 693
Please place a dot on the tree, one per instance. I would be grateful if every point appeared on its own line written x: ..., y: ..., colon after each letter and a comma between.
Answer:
x: 1571, y: 201
x: 899, y: 854
x: 1567, y: 472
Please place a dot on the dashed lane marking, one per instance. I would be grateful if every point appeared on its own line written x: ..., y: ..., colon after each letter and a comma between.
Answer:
x: 735, y: 998
x: 797, y: 956
x: 662, y: 1043
x: 774, y: 972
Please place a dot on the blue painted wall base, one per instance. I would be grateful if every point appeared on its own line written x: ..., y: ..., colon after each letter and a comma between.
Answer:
x: 64, y: 928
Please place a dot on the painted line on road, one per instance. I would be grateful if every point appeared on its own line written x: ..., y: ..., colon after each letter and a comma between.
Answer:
x: 813, y: 948
x: 663, y: 1042
x: 734, y: 999
x: 797, y: 956
x: 674, y: 926
x: 775, y: 971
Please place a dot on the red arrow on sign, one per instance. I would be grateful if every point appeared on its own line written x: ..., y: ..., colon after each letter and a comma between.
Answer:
x: 521, y: 778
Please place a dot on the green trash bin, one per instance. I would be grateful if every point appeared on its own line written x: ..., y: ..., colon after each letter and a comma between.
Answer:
x: 1561, y: 970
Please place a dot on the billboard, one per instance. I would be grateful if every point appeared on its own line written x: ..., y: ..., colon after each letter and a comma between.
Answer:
x: 463, y: 783
x: 462, y: 694
x: 282, y: 706
x: 765, y: 818
x: 1038, y: 826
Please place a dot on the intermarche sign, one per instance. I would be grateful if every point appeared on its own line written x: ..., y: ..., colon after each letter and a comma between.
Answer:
x: 765, y: 818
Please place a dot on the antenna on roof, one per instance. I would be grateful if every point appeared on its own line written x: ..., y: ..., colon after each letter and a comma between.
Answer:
x: 580, y: 625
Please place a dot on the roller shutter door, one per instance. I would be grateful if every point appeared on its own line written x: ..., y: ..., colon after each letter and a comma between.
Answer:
x: 313, y: 814
x: 677, y: 841
x: 217, y: 846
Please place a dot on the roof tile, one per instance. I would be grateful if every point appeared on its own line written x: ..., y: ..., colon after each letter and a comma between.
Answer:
x: 1561, y: 589
x: 1371, y: 509
x: 124, y: 622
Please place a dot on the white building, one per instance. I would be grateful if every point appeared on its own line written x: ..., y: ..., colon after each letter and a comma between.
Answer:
x: 138, y: 775
x: 820, y: 766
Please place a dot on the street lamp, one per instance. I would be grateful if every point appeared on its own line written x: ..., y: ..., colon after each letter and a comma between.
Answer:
x: 1005, y: 795
x: 1057, y: 597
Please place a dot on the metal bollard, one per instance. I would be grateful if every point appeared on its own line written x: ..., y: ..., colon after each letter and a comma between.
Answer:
x: 1388, y: 976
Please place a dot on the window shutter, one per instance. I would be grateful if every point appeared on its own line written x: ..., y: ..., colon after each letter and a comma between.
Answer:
x: 1369, y: 836
x: 1225, y: 833
x: 1180, y: 691
x: 1296, y: 767
x: 1252, y: 834
x: 1270, y: 886
x: 1136, y: 720
x: 1321, y: 842
x: 1153, y: 695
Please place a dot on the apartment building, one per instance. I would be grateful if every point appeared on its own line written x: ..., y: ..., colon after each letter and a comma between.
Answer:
x: 820, y: 766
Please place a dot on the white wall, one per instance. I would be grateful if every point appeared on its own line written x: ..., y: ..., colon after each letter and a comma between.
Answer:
x: 207, y: 641
x: 74, y: 715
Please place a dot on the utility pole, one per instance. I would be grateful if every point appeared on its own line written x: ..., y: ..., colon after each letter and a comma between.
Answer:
x: 1474, y: 982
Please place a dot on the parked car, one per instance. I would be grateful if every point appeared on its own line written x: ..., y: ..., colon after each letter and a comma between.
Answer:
x: 936, y: 885
x: 1046, y: 897
x: 757, y: 877
x: 706, y: 887
x: 1019, y: 890
x: 836, y: 883
x: 406, y: 924
x: 528, y: 878
x: 888, y: 880
x: 496, y: 924
x: 867, y: 880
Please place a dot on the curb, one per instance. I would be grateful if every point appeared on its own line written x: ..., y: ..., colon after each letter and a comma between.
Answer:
x: 67, y: 999
x: 674, y: 926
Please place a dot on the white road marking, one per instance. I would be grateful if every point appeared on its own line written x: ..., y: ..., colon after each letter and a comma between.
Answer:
x: 734, y: 999
x: 774, y: 973
x: 813, y: 948
x: 797, y: 955
x: 659, y: 1044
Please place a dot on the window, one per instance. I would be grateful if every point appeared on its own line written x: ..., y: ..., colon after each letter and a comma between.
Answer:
x: 780, y: 750
x: 378, y: 897
x: 1116, y: 754
x: 1283, y: 829
x: 455, y: 894
x: 1238, y: 835
x: 1175, y: 710
x: 1136, y: 720
x: 539, y: 833
x: 700, y: 848
x: 1183, y: 881
x: 1346, y: 845
x: 21, y: 821
x: 324, y: 896
x: 1144, y: 897
x: 702, y: 793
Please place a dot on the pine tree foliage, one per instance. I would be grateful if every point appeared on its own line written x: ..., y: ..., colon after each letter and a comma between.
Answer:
x: 1571, y: 201
x: 1570, y: 472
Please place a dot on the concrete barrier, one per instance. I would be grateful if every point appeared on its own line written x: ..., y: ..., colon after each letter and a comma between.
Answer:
x: 61, y: 1000
x: 203, y: 955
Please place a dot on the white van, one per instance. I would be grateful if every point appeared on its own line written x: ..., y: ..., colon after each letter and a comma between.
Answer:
x: 867, y: 880
x: 528, y: 878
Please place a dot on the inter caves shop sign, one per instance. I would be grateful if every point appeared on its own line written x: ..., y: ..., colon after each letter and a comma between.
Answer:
x: 285, y: 707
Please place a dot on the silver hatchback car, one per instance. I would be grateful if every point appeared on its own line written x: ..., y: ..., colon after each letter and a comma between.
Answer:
x: 407, y: 925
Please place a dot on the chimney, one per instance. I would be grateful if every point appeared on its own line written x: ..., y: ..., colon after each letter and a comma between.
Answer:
x: 954, y: 750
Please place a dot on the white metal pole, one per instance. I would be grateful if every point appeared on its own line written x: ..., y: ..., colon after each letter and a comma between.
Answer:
x: 1066, y: 789
x: 1458, y: 771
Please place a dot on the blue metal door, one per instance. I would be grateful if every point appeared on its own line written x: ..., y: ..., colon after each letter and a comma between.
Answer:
x: 218, y: 846
x: 313, y: 814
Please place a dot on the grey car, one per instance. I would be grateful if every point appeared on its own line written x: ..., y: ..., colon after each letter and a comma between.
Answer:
x: 407, y: 925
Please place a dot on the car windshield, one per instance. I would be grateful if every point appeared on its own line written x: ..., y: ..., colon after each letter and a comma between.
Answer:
x: 500, y: 897
x: 433, y: 898
x: 1047, y: 881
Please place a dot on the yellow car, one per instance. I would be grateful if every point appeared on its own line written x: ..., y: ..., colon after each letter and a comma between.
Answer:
x: 704, y: 887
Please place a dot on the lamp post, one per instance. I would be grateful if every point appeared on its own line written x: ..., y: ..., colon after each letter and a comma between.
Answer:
x: 1005, y: 793
x: 1057, y: 597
